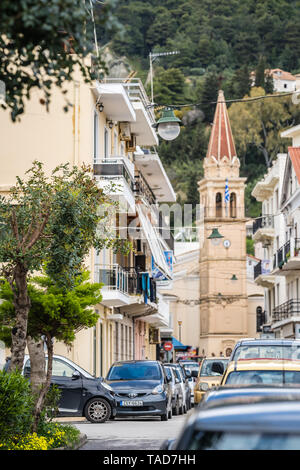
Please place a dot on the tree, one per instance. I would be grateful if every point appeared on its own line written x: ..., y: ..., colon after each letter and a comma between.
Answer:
x: 210, y: 95
x: 260, y: 72
x: 35, y: 44
x: 258, y: 123
x: 55, y: 313
x: 51, y: 221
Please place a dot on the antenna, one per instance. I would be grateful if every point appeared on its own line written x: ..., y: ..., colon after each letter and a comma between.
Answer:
x: 152, y: 57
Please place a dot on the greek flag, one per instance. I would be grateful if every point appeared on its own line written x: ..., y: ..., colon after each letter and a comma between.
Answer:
x: 226, y: 191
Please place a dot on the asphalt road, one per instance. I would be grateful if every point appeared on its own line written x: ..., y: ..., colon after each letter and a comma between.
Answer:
x: 129, y: 433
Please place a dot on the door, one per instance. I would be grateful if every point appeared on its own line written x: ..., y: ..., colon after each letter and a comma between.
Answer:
x: 70, y: 387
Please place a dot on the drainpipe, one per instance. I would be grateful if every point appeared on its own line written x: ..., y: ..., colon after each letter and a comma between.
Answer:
x: 76, y: 117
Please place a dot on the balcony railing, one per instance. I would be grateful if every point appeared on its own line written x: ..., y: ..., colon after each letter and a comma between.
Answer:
x: 142, y: 188
x: 126, y: 280
x: 290, y: 249
x: 288, y: 309
x: 114, y: 168
x: 266, y: 221
x: 263, y: 267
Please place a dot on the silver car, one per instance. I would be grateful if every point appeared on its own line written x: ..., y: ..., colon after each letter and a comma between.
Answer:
x: 177, y: 394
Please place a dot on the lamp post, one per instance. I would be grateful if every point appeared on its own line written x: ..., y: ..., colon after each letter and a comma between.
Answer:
x: 168, y: 125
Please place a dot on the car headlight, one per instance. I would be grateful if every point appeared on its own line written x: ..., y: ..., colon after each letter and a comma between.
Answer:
x: 204, y: 386
x: 157, y: 390
x: 108, y: 387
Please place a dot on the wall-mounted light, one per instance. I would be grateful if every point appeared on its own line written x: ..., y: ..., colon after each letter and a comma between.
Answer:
x: 234, y: 278
x: 215, y: 237
x: 110, y: 124
x: 100, y: 106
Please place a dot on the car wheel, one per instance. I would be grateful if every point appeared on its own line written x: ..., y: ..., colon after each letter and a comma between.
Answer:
x: 184, y: 409
x: 181, y: 409
x: 170, y: 416
x: 164, y: 417
x: 97, y: 410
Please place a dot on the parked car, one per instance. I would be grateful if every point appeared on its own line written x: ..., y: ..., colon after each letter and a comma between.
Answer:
x: 262, y: 371
x: 267, y: 425
x: 184, y: 384
x: 81, y: 393
x: 177, y: 393
x: 208, y: 376
x: 192, y: 367
x: 259, y: 348
x: 141, y: 388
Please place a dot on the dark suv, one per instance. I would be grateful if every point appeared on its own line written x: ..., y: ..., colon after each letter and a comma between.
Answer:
x: 81, y: 393
x: 142, y: 388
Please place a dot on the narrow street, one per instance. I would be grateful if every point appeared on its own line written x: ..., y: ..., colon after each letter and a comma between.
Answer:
x: 130, y: 433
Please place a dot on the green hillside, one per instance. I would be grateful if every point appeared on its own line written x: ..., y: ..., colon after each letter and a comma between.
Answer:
x: 219, y: 44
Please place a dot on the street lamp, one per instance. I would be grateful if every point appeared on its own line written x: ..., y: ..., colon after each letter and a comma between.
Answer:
x: 179, y: 326
x: 215, y: 237
x: 168, y: 126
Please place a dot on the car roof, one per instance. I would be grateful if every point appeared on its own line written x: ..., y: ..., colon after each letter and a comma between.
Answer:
x: 213, y: 358
x: 263, y: 364
x: 266, y: 415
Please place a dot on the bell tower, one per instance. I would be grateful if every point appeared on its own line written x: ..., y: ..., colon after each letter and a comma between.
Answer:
x: 223, y: 288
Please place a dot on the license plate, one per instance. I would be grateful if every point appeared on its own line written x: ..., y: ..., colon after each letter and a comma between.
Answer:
x: 131, y: 403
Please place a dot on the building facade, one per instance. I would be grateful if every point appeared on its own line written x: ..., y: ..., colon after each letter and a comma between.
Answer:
x: 108, y: 127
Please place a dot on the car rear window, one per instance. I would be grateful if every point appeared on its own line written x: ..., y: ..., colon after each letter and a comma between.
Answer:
x: 267, y: 352
x: 134, y: 371
x: 269, y: 377
x: 207, y: 365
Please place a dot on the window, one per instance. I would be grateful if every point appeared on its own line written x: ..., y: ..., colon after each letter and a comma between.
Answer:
x: 61, y: 369
x: 233, y: 205
x: 218, y: 205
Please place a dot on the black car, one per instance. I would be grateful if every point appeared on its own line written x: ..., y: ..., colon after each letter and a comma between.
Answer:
x: 141, y: 388
x: 81, y: 393
x: 268, y: 423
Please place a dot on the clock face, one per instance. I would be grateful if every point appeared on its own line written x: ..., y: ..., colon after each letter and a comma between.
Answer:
x: 227, y: 243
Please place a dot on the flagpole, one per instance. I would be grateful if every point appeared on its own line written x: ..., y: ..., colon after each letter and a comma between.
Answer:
x: 226, y: 197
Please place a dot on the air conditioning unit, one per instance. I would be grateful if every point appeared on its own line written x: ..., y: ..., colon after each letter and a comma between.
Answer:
x: 125, y: 133
x: 131, y: 144
x: 154, y: 336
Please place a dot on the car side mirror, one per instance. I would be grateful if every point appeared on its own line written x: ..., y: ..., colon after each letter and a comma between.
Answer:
x: 194, y: 373
x: 168, y: 378
x: 177, y: 381
x: 76, y: 375
x: 188, y: 374
x: 218, y: 367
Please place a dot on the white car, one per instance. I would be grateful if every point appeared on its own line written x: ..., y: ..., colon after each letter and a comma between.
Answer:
x: 190, y: 365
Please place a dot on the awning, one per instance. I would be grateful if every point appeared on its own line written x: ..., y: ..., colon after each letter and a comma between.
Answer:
x: 178, y: 345
x: 153, y: 240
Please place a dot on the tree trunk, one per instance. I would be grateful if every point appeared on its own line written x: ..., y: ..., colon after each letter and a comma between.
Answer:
x: 44, y: 390
x: 22, y: 306
x: 37, y: 364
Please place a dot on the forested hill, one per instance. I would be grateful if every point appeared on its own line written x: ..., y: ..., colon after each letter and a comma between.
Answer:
x: 219, y: 43
x: 226, y: 33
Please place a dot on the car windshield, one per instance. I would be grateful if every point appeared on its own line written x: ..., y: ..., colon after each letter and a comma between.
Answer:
x: 267, y: 351
x: 243, y: 441
x: 134, y: 371
x: 276, y: 377
x: 191, y: 367
x: 207, y: 365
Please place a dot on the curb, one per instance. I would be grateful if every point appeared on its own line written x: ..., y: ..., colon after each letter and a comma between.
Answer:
x: 81, y: 441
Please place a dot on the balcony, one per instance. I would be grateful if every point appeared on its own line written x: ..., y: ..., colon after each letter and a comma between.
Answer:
x: 262, y: 274
x: 287, y: 258
x: 125, y: 286
x: 119, y: 284
x: 115, y: 176
x: 263, y: 229
x: 288, y: 309
x: 142, y: 190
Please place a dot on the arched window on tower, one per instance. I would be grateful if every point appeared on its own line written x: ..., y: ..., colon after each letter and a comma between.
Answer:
x: 218, y: 205
x: 233, y: 205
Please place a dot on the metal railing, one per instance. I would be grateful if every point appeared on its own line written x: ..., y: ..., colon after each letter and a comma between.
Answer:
x: 286, y: 310
x: 113, y: 168
x: 290, y: 249
x: 265, y: 221
x: 142, y: 188
x: 127, y: 280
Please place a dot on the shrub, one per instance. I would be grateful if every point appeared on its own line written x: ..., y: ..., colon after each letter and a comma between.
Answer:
x: 16, y: 405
